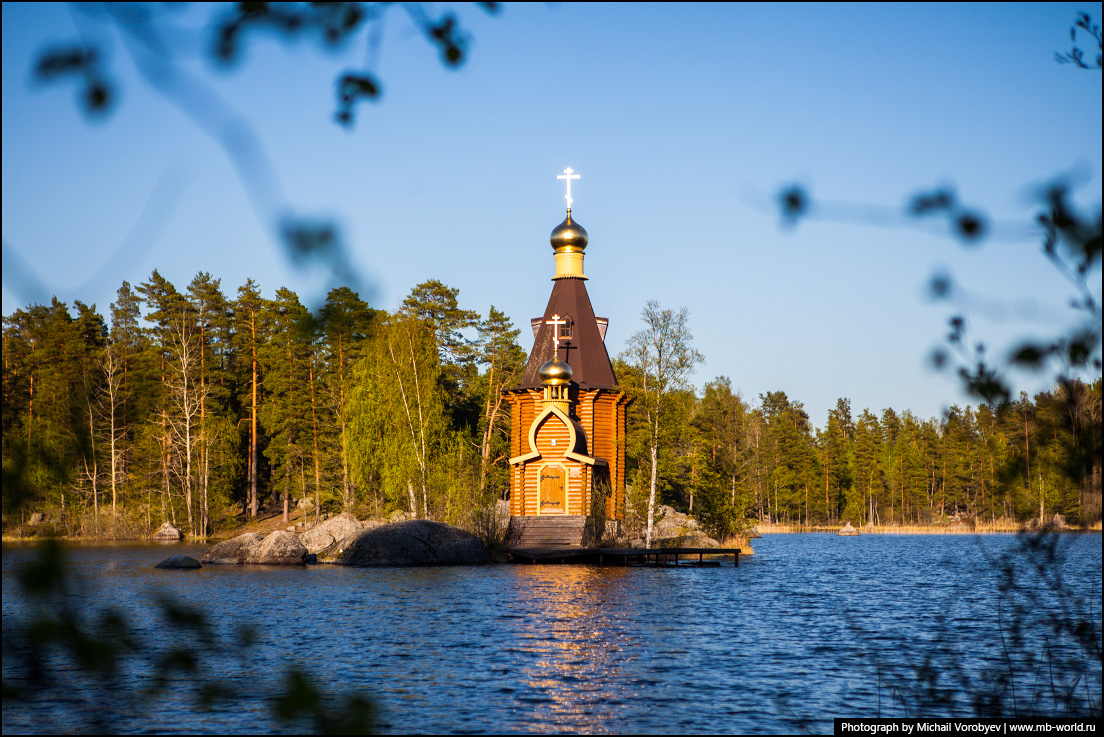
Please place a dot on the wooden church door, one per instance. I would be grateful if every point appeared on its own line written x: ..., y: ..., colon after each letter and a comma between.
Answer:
x: 553, y: 496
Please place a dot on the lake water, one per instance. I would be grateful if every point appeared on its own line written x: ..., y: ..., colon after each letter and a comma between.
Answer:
x: 809, y: 628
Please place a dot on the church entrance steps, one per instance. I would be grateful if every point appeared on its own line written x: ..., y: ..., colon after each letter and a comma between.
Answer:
x: 547, y: 531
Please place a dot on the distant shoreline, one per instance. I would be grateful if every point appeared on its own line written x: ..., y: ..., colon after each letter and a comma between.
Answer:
x: 1000, y: 527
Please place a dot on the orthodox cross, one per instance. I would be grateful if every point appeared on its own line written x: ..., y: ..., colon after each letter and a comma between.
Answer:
x: 568, y: 174
x: 556, y: 322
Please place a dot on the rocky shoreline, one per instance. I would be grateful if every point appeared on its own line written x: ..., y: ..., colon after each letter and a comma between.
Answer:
x: 344, y: 540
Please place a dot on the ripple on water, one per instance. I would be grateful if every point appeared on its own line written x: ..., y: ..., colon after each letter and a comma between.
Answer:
x: 797, y: 631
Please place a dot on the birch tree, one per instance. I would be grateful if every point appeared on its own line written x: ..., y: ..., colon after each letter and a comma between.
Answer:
x: 398, y: 412
x: 663, y: 354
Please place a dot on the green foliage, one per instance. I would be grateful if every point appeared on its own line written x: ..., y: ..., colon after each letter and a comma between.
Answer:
x: 94, y: 435
x: 110, y: 431
x: 102, y: 674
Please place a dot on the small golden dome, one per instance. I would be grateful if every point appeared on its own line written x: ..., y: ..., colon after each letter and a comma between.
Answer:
x: 555, y: 373
x: 569, y: 236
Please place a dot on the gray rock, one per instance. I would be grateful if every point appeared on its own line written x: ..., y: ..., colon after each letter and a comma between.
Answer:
x: 37, y: 519
x: 305, y: 503
x: 399, y: 516
x: 325, y: 534
x: 235, y: 550
x: 848, y: 531
x: 167, y: 532
x: 178, y: 562
x: 280, y: 548
x: 412, y: 543
x: 686, y: 541
x: 673, y: 523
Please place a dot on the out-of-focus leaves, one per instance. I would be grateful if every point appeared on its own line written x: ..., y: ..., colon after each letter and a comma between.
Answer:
x: 967, y: 225
x: 62, y: 61
x: 1030, y: 355
x: 795, y: 203
x: 958, y: 329
x: 304, y: 705
x: 307, y: 240
x: 85, y: 64
x: 452, y: 43
x: 352, y: 88
x: 81, y: 652
x: 938, y: 201
x: 1081, y: 347
x: 1076, y: 55
x: 45, y: 574
x: 971, y: 227
x: 941, y: 286
x: 983, y: 382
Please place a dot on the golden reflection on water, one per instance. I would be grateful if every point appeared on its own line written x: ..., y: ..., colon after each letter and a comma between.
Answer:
x: 567, y: 623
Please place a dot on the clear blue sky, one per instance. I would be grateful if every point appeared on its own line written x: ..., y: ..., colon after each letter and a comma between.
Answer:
x: 683, y: 121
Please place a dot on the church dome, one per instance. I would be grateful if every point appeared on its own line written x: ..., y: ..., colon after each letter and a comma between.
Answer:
x: 555, y: 373
x: 569, y: 236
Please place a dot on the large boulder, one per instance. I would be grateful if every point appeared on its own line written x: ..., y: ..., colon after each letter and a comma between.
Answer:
x: 178, y: 562
x: 687, y: 541
x: 325, y: 534
x: 235, y: 550
x: 167, y: 532
x: 412, y: 543
x: 848, y: 531
x: 280, y: 548
x: 673, y: 523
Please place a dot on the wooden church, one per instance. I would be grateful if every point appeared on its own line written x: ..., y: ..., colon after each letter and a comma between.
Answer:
x: 567, y: 465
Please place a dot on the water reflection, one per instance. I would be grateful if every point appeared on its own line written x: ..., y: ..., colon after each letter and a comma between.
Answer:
x: 566, y: 627
x: 797, y: 632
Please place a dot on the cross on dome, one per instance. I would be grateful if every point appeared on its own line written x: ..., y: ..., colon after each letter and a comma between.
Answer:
x: 568, y: 175
x: 556, y: 322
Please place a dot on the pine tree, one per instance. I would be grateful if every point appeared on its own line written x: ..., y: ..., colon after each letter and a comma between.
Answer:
x: 346, y: 321
x: 286, y: 414
x: 163, y: 301
x: 250, y: 334
x: 497, y: 349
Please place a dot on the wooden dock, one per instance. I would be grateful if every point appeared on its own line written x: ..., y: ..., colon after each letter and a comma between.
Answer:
x: 622, y: 556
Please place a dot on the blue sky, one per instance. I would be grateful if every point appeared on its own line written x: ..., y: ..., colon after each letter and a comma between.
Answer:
x: 682, y: 120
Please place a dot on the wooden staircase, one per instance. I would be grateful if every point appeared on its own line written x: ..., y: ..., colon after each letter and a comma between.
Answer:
x: 547, y: 531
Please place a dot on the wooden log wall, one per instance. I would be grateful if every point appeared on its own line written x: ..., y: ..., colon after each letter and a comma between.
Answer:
x: 602, y: 415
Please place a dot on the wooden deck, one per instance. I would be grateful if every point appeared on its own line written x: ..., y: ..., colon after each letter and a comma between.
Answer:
x: 623, y: 556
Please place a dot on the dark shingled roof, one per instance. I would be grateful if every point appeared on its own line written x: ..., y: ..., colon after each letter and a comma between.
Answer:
x: 584, y: 351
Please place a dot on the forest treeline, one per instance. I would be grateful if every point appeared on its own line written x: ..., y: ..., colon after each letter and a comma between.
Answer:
x: 203, y: 409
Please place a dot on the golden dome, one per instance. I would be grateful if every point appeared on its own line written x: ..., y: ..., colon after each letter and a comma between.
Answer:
x: 569, y: 236
x: 555, y: 373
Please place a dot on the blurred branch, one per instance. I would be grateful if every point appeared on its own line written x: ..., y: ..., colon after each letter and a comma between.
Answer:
x: 1076, y: 55
x: 100, y: 675
x: 148, y: 30
x: 1071, y: 242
